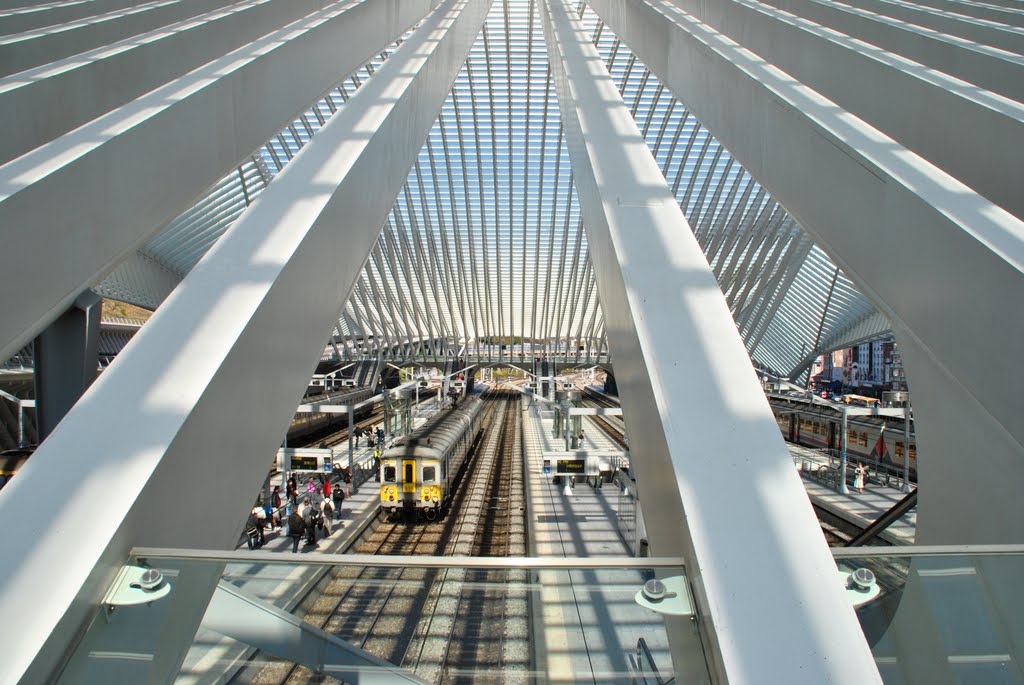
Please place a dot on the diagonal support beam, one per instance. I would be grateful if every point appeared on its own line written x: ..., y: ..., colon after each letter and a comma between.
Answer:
x: 951, y: 279
x: 263, y: 298
x: 90, y: 197
x: 671, y: 331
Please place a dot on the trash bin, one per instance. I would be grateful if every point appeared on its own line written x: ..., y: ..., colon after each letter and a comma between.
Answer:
x: 645, y: 548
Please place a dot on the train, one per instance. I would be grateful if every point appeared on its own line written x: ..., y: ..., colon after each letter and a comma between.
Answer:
x: 865, y: 440
x: 417, y: 473
x: 308, y: 428
x: 11, y: 461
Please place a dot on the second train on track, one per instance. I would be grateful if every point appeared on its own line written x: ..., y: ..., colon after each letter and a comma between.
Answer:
x: 417, y: 473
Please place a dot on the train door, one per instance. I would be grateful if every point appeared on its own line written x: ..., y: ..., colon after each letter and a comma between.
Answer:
x: 793, y: 423
x: 833, y: 444
x: 409, y: 476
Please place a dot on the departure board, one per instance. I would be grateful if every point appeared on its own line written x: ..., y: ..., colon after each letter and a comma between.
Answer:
x: 571, y: 467
x: 305, y: 463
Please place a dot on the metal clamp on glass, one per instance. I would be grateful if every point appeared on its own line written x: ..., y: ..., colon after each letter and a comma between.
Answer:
x: 136, y: 585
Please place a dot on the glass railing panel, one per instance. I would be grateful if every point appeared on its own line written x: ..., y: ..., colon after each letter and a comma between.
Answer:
x: 941, y: 617
x: 274, y: 618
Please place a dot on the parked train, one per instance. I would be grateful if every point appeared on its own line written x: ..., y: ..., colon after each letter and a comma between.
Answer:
x: 308, y: 428
x: 865, y: 440
x: 11, y: 461
x: 417, y: 472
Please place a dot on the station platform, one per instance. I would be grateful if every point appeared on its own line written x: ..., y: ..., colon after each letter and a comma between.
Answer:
x: 213, y: 658
x: 587, y: 625
x: 860, y: 508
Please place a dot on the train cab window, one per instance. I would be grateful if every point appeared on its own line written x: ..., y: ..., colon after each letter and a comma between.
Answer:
x: 429, y: 473
x: 390, y: 474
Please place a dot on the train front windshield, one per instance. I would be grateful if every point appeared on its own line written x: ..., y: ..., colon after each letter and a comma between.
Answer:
x: 390, y: 474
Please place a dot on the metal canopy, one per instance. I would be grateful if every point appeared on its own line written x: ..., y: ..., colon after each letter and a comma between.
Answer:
x: 485, y: 239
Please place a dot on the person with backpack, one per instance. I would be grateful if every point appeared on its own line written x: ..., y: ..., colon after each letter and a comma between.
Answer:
x: 296, y: 529
x: 326, y: 516
x: 261, y: 521
x: 252, y: 533
x: 309, y: 519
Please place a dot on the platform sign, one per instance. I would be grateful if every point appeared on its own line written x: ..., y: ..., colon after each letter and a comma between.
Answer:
x: 304, y: 459
x: 304, y: 463
x: 571, y: 467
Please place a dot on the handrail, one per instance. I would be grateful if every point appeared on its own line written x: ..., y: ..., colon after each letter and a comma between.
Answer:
x: 409, y: 561
x: 924, y: 551
x: 642, y: 650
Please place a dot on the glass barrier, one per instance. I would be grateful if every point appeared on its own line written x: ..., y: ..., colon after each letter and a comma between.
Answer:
x: 939, y: 617
x: 273, y: 618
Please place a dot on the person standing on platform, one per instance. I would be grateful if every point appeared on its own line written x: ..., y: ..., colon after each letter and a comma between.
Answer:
x: 380, y: 435
x: 292, y: 491
x: 261, y: 522
x: 252, y: 533
x: 858, y: 479
x: 339, y: 499
x: 309, y: 520
x: 326, y: 516
x: 296, y: 529
x: 268, y: 511
x: 582, y: 438
x: 310, y: 486
x: 275, y: 500
x: 327, y: 487
x: 377, y: 454
x: 357, y: 434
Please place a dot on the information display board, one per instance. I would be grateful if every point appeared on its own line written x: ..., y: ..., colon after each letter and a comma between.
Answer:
x: 571, y: 467
x: 304, y: 463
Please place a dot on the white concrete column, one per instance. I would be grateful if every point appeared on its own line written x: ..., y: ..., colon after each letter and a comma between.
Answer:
x: 716, y: 480
x: 74, y: 208
x: 248, y: 322
x: 942, y: 262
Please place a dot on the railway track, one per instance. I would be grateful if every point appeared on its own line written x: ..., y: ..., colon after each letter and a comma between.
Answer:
x: 413, y: 617
x: 614, y: 429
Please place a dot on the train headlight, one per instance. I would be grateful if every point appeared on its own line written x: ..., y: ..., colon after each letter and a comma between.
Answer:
x: 436, y: 498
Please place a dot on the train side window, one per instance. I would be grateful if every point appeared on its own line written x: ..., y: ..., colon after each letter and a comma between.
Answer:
x: 429, y: 473
x: 863, y: 439
x: 390, y: 473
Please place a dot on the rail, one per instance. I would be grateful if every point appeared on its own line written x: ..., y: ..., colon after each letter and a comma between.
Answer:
x: 643, y: 652
x: 829, y: 474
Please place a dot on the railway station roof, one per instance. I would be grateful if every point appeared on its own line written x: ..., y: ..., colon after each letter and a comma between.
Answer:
x: 486, y: 238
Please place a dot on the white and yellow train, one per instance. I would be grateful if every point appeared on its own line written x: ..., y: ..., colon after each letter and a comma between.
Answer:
x: 417, y: 473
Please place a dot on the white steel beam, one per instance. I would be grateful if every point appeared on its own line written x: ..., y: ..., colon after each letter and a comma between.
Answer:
x: 950, y: 277
x: 45, y: 102
x: 670, y: 329
x: 263, y: 298
x: 91, y: 196
x: 31, y: 48
x: 893, y: 94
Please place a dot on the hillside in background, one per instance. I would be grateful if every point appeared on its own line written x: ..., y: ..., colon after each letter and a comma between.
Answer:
x: 122, y: 310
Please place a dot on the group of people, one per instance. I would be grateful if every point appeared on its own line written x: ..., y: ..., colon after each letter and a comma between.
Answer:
x: 374, y: 436
x: 321, y: 503
x: 262, y: 516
